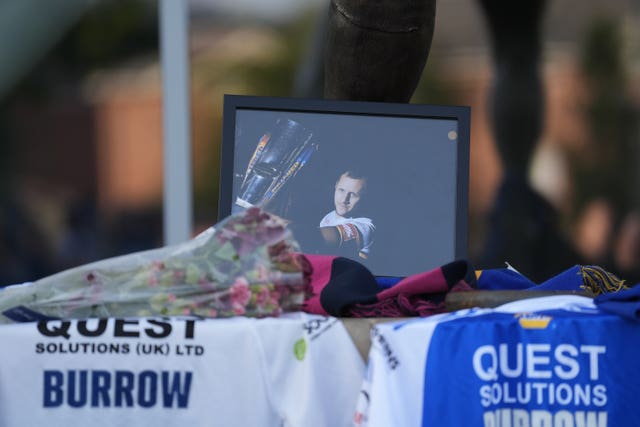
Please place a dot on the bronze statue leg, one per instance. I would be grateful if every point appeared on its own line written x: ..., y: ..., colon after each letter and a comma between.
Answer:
x: 377, y: 49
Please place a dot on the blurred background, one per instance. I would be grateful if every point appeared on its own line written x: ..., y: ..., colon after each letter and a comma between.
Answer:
x: 81, y: 118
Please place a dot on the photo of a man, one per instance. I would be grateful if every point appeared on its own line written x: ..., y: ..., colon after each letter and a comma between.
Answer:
x: 340, y: 228
x: 379, y: 186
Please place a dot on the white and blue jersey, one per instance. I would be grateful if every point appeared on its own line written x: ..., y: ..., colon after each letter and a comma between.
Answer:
x: 542, y: 362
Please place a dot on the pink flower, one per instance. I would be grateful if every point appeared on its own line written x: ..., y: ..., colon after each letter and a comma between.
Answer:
x: 262, y: 298
x: 274, y: 297
x: 240, y: 293
x: 238, y: 309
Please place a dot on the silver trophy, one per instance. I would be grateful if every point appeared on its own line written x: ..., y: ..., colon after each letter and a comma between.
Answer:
x: 279, y: 155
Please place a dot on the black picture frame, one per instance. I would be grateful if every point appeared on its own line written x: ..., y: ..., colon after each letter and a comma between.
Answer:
x: 415, y: 158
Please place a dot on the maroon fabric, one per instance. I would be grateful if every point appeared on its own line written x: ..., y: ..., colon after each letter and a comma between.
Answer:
x: 401, y: 306
x: 345, y: 288
x: 320, y: 276
x: 429, y: 282
x: 421, y: 295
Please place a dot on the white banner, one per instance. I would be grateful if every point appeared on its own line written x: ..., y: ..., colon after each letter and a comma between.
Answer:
x: 297, y: 370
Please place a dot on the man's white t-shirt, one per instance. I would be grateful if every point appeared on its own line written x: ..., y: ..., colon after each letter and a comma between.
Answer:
x: 361, y: 229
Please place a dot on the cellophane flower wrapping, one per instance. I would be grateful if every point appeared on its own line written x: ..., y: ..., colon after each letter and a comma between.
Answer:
x: 246, y: 265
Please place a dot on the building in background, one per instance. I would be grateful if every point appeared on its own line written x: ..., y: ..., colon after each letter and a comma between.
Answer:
x: 82, y: 149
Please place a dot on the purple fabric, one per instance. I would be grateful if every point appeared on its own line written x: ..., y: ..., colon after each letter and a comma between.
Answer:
x: 343, y: 287
x: 579, y: 278
x: 569, y: 280
x: 625, y: 303
x: 502, y: 279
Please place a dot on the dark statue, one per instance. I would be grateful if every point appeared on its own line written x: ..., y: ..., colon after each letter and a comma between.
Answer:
x: 376, y: 51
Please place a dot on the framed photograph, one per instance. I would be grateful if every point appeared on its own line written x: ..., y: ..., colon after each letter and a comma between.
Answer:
x: 384, y: 184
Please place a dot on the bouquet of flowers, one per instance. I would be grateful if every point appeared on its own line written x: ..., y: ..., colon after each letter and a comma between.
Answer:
x: 247, y: 265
